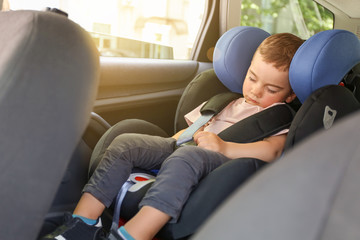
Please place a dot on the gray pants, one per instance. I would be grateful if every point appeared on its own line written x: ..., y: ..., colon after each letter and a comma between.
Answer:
x: 180, y: 170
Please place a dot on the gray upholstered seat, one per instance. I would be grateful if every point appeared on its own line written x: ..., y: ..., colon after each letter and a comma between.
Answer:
x: 49, y: 69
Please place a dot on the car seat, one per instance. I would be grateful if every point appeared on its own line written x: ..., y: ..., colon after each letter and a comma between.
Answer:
x: 186, y: 227
x: 319, y: 111
x: 200, y: 89
x: 234, y: 50
x: 49, y: 68
x: 312, y: 192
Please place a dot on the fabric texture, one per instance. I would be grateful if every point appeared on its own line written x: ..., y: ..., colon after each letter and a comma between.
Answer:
x: 311, y: 193
x: 180, y: 170
x: 323, y: 59
x: 233, y: 53
x: 124, y: 153
x: 194, y: 95
x: 125, y: 126
x: 231, y: 114
x: 187, y: 164
x: 310, y: 117
x: 49, y: 70
x: 231, y: 59
x: 178, y: 176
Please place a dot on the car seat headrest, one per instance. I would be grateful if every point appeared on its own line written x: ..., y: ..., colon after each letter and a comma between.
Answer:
x: 233, y: 54
x: 323, y: 59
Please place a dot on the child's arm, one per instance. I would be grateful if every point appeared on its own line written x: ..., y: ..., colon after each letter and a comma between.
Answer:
x: 266, y: 150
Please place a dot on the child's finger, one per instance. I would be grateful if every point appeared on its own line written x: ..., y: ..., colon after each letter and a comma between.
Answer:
x: 199, y: 130
x: 198, y: 135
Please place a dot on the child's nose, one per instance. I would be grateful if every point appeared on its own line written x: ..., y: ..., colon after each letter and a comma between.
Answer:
x: 256, y: 90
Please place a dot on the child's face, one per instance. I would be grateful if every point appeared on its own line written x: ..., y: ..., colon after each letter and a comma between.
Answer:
x: 265, y: 85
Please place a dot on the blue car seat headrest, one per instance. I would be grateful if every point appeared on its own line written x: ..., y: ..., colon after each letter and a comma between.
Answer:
x: 324, y: 59
x: 233, y: 54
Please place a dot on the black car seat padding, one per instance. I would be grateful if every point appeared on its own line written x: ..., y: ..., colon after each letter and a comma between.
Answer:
x: 260, y: 125
x: 333, y: 100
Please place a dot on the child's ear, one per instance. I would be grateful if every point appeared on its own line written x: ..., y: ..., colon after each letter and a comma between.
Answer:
x: 291, y: 97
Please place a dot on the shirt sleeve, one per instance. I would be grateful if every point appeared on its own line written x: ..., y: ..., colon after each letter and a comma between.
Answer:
x: 192, y: 116
x: 284, y: 131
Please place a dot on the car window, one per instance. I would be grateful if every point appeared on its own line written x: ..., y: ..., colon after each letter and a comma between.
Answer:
x: 303, y: 18
x: 163, y: 29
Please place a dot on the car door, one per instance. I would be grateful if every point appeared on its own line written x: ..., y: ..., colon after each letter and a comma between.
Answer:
x: 145, y: 80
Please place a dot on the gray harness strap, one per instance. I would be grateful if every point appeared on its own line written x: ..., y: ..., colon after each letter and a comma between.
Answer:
x: 215, y: 105
x: 119, y: 199
x: 187, y: 135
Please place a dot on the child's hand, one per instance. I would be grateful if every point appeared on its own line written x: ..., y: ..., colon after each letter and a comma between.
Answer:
x: 210, y: 141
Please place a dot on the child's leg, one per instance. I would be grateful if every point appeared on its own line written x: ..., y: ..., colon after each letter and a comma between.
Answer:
x: 149, y: 220
x: 124, y: 153
x: 178, y: 176
x: 89, y: 207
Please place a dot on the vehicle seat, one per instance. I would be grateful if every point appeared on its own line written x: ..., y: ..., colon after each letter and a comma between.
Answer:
x: 49, y: 68
x: 233, y: 50
x: 312, y: 192
x: 200, y: 89
x: 323, y: 96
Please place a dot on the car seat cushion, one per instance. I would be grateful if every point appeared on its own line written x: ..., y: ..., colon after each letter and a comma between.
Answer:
x: 331, y: 56
x: 319, y: 111
x: 231, y: 59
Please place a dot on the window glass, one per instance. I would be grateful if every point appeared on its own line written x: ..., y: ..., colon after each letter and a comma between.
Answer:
x: 163, y: 29
x: 303, y: 18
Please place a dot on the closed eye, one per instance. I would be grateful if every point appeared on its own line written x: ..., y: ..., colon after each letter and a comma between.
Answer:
x: 273, y: 88
x: 251, y: 79
x: 272, y: 91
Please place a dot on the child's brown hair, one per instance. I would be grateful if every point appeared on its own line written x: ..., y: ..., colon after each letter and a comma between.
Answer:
x: 279, y: 49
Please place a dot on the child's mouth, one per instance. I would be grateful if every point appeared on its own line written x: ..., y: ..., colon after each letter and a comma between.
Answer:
x: 251, y: 101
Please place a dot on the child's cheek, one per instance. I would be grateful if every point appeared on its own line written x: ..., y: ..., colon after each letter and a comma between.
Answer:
x: 269, y: 100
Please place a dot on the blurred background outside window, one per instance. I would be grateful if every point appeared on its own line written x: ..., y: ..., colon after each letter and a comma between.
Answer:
x: 164, y: 29
x: 167, y: 29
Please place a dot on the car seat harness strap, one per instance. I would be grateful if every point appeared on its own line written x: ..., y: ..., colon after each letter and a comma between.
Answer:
x: 260, y: 125
x: 116, y: 217
x: 254, y: 128
x: 209, y: 110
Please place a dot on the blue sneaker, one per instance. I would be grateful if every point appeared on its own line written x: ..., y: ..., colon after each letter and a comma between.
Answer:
x: 75, y: 229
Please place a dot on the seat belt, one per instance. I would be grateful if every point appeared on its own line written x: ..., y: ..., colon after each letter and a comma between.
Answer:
x: 254, y: 128
x: 113, y: 235
x: 215, y: 105
x: 260, y: 125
